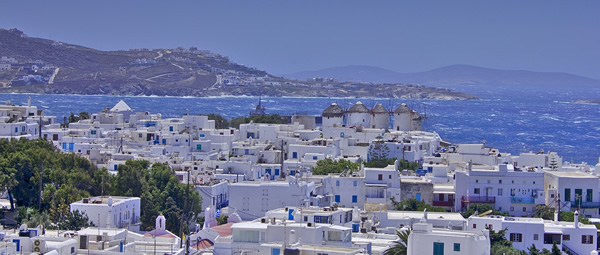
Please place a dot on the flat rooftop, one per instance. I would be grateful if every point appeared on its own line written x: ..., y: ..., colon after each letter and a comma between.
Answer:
x: 104, y: 200
x: 571, y: 174
x: 430, y: 215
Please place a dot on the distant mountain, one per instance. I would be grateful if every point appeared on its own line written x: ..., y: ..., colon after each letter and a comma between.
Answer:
x: 39, y: 65
x: 451, y: 76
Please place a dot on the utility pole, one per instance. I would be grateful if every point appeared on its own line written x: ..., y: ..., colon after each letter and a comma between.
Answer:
x: 40, y: 198
x: 187, y: 214
x: 558, y: 207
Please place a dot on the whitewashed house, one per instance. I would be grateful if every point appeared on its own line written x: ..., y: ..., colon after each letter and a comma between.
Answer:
x: 110, y: 212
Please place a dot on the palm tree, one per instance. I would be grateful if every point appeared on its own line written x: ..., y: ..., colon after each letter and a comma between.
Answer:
x: 401, y: 246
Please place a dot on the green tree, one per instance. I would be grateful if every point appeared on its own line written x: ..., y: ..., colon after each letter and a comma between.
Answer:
x: 8, y: 178
x: 81, y: 116
x: 481, y: 208
x: 74, y: 221
x: 544, y: 211
x: 499, y: 238
x: 414, y: 205
x: 533, y: 250
x: 570, y: 217
x: 556, y: 250
x: 405, y: 164
x: 400, y: 247
x: 378, y: 153
x: 500, y: 246
x: 270, y: 119
x: 327, y: 166
x: 506, y: 250
x: 160, y: 191
x: 222, y: 219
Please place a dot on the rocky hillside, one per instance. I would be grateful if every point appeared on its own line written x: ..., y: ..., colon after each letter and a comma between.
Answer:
x: 46, y: 66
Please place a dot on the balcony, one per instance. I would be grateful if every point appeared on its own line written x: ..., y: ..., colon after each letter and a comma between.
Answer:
x: 130, y: 222
x: 478, y: 199
x: 443, y: 203
x: 585, y: 204
x: 522, y: 200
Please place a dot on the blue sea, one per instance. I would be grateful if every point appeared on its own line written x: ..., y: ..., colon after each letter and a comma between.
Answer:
x: 510, y: 119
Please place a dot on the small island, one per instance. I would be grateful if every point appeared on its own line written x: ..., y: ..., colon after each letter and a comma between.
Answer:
x: 586, y: 101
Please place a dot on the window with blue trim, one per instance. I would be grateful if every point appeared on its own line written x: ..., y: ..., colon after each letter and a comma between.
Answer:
x: 171, y: 128
x: 337, y: 183
x: 314, y: 157
x: 355, y: 183
x: 321, y: 219
x: 456, y: 246
x: 276, y: 171
x: 355, y: 228
x: 354, y: 199
x: 294, y: 154
x: 275, y: 251
x: 337, y: 198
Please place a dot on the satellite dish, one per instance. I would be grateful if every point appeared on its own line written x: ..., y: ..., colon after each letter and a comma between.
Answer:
x: 23, y: 227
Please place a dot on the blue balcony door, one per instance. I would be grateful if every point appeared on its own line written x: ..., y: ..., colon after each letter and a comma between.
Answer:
x: 438, y: 248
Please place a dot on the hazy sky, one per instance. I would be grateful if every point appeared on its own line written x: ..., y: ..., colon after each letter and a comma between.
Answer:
x: 289, y: 36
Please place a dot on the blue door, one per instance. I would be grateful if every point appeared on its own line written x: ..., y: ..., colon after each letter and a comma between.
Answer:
x: 438, y: 248
x: 418, y: 196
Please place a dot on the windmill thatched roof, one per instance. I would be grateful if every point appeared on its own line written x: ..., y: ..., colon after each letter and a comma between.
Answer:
x: 333, y: 110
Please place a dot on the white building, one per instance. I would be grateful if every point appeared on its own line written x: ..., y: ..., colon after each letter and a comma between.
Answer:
x: 380, y: 117
x: 575, y: 190
x: 5, y: 66
x: 525, y: 232
x: 359, y: 115
x: 333, y: 116
x: 507, y: 190
x: 424, y: 239
x: 403, y: 118
x: 110, y: 212
x: 253, y: 199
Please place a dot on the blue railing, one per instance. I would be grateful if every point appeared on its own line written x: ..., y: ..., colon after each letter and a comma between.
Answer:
x: 522, y: 200
x: 585, y: 204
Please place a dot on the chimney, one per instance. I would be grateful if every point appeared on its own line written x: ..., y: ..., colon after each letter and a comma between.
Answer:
x: 555, y: 217
x: 576, y: 220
